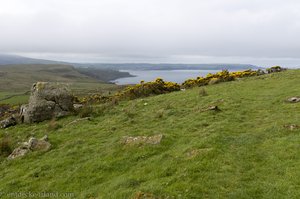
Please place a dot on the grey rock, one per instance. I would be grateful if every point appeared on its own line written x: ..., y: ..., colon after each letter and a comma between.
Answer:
x: 47, y: 101
x: 153, y: 140
x: 294, y: 99
x: 38, y: 145
x: 32, y: 145
x: 292, y: 126
x: 18, y: 152
x: 11, y: 121
x: 77, y: 106
x: 45, y: 138
x: 213, y: 108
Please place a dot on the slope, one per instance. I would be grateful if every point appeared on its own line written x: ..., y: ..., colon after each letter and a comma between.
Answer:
x: 242, y: 151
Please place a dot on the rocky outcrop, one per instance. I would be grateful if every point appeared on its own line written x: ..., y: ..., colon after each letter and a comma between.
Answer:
x: 47, y: 101
x: 32, y: 145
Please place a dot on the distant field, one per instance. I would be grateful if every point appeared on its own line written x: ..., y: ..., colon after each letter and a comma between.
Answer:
x: 14, y: 98
x: 16, y: 81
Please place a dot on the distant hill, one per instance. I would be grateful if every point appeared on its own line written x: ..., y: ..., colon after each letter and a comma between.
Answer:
x: 14, y: 59
x: 22, y: 64
x: 22, y: 76
x: 147, y: 66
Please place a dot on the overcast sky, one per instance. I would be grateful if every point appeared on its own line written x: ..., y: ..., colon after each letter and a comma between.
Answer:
x: 262, y: 32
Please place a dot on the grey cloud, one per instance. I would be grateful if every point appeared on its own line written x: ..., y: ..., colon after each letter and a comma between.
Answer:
x: 153, y: 30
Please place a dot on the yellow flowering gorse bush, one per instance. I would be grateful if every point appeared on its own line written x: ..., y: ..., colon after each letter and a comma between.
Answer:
x: 159, y: 86
x: 223, y: 76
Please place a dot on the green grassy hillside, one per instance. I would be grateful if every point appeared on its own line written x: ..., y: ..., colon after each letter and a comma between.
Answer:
x: 242, y: 151
x: 16, y: 80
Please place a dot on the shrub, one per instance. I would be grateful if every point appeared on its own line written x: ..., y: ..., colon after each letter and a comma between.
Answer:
x: 156, y: 87
x: 223, y: 76
x: 95, y: 98
x: 246, y: 73
x: 214, y: 80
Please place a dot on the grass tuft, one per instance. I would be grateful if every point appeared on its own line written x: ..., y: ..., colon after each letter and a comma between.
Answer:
x: 6, y: 146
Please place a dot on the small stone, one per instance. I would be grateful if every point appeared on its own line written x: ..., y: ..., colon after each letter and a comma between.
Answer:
x: 77, y: 107
x: 38, y: 145
x: 18, y: 152
x: 45, y: 138
x: 213, y: 108
x: 195, y: 152
x: 153, y: 140
x: 292, y: 127
x: 294, y: 99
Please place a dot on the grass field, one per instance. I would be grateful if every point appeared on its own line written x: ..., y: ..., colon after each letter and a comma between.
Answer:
x: 243, y: 151
x: 14, y: 98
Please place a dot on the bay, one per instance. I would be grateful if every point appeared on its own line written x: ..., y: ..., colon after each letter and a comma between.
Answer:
x: 178, y: 76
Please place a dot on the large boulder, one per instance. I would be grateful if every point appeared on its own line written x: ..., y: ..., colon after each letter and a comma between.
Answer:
x: 47, y: 101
